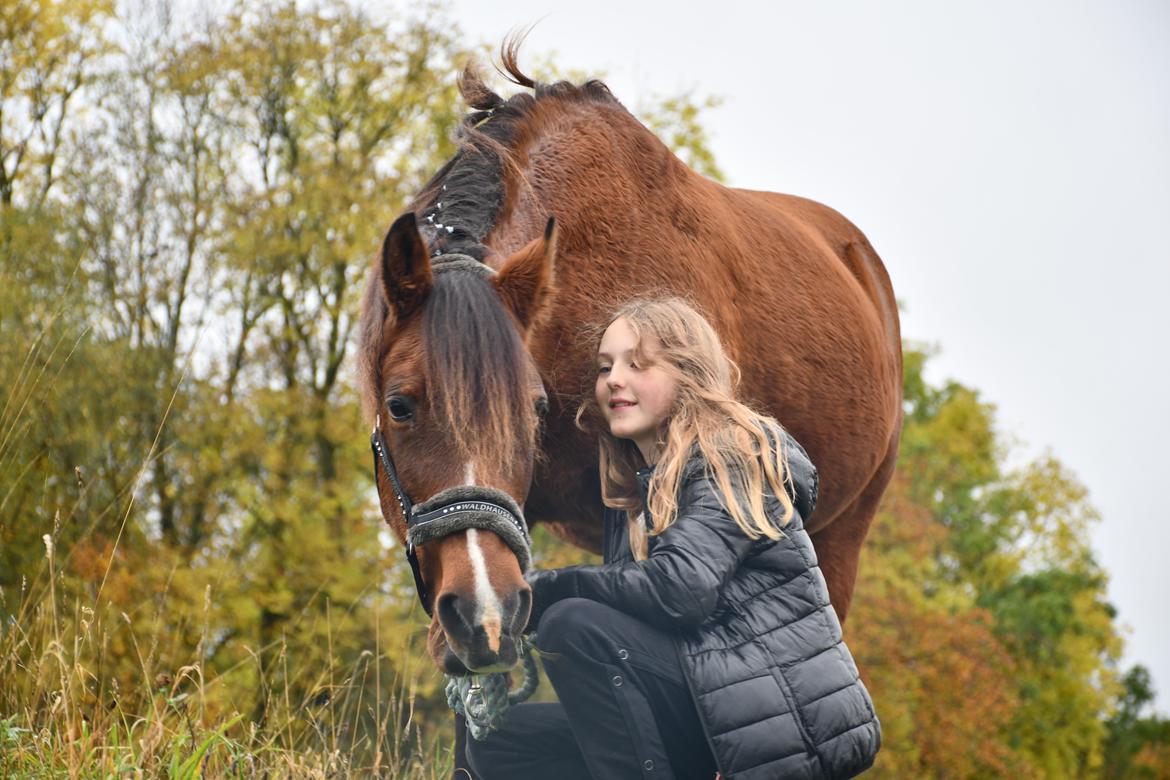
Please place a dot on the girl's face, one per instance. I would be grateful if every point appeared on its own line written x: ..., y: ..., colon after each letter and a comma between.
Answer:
x: 635, y: 399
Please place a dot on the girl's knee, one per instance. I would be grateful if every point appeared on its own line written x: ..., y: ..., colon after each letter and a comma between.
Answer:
x: 570, y: 623
x: 491, y: 757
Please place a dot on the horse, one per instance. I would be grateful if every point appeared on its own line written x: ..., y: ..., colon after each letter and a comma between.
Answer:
x: 479, y: 328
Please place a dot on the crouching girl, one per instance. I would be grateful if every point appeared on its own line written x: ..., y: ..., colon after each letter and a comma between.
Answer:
x: 705, y: 642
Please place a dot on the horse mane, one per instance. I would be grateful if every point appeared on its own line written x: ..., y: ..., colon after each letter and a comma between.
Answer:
x: 462, y: 201
x: 457, y: 209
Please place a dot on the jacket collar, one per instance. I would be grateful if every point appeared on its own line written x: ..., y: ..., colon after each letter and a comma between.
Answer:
x: 643, y: 477
x: 645, y: 474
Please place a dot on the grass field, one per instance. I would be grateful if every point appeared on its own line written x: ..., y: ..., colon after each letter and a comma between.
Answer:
x: 62, y: 716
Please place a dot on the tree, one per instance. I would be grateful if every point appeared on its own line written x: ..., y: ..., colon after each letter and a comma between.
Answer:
x: 982, y: 576
x: 187, y: 213
x: 1138, y: 745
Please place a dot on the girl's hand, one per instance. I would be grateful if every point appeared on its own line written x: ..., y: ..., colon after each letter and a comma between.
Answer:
x: 548, y: 587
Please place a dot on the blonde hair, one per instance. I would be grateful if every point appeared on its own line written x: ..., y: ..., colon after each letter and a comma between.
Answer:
x: 743, y: 449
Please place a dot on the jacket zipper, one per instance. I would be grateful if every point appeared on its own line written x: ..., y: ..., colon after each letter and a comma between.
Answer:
x: 788, y: 697
x: 702, y: 720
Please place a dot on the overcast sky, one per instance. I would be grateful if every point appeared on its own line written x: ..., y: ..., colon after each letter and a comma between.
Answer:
x: 1011, y: 164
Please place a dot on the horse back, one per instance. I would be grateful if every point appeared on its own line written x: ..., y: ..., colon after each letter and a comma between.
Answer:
x: 821, y: 227
x: 806, y: 308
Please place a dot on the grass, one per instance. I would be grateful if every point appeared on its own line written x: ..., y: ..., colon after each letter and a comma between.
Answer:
x: 63, y: 714
x: 98, y: 686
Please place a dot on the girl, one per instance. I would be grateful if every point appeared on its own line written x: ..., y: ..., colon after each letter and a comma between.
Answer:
x: 705, y: 642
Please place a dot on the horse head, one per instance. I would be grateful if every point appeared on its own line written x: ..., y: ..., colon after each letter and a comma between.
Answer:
x: 457, y: 401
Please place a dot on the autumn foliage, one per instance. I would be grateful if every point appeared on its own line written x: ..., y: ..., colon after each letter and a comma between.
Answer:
x: 193, y: 575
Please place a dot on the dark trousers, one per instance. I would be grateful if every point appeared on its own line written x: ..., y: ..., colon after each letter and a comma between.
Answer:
x: 624, y: 711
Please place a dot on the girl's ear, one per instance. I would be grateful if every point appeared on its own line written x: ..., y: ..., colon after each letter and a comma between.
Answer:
x: 526, y: 278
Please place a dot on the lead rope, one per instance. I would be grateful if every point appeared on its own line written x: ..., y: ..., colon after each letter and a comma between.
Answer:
x: 484, y: 699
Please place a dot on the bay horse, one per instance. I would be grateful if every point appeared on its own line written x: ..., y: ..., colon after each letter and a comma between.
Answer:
x: 481, y: 312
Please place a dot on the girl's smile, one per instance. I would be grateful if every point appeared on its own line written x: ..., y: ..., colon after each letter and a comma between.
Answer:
x: 636, y: 395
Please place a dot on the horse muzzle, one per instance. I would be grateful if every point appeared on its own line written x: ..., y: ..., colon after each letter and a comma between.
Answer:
x: 480, y: 640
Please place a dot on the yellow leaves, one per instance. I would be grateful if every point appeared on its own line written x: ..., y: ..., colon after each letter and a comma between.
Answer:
x: 551, y: 552
x: 1055, y: 521
x: 678, y: 122
x: 47, y: 54
x: 40, y: 39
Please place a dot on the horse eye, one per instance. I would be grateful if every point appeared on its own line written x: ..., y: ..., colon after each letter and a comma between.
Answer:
x: 542, y: 406
x: 401, y: 408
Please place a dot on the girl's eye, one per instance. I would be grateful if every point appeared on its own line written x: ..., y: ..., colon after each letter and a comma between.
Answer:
x: 603, y: 369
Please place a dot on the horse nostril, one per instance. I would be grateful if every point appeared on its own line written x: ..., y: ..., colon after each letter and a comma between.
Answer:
x: 451, y: 616
x: 523, y: 610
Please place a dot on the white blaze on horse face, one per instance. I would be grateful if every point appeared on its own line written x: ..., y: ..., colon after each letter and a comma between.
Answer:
x: 469, y: 473
x: 487, y: 603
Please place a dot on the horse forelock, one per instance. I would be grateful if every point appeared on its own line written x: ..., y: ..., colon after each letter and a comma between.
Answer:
x: 477, y: 370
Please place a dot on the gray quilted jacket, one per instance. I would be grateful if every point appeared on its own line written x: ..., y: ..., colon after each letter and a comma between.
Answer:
x: 774, y: 684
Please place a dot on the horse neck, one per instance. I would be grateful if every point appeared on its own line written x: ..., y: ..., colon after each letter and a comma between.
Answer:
x: 596, y: 169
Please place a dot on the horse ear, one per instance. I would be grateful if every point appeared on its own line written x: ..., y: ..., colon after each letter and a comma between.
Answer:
x: 406, y: 268
x: 526, y: 278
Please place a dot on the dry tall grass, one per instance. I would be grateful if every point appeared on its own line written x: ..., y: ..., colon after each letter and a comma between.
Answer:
x: 66, y: 710
x: 61, y: 716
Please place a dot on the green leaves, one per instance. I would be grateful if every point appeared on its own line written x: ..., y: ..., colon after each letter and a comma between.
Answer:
x: 192, y: 767
x: 980, y: 575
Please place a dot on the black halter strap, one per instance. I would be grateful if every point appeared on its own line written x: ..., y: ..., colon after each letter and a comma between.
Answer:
x: 446, y: 513
x: 382, y: 455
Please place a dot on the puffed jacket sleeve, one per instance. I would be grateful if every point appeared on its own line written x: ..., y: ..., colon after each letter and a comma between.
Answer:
x: 678, y: 585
